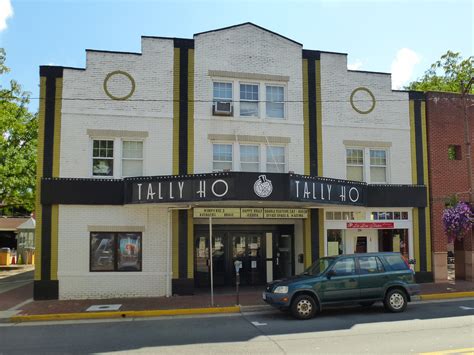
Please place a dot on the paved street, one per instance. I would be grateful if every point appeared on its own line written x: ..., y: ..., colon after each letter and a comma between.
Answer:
x: 424, y: 327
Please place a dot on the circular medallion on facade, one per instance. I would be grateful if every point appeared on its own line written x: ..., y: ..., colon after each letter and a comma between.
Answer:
x: 119, y: 85
x: 362, y: 100
x: 263, y: 187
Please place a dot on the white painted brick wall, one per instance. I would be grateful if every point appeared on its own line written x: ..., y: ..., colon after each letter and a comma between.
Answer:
x: 75, y: 279
x: 389, y: 122
x: 149, y: 109
x: 247, y: 49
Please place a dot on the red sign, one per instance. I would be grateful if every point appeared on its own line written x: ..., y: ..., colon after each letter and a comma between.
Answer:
x: 370, y: 225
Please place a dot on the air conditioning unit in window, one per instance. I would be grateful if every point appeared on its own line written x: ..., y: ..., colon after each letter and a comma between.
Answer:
x: 222, y: 108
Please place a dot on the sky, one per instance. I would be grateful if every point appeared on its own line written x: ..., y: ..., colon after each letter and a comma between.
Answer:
x: 403, y: 37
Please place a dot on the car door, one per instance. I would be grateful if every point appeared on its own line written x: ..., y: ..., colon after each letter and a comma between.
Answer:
x: 372, y: 277
x: 341, y: 284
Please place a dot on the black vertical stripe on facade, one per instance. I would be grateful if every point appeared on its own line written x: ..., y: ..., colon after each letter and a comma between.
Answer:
x: 50, y: 73
x: 183, y: 111
x: 420, y: 180
x: 313, y: 146
x: 183, y: 244
x: 46, y: 242
x: 48, y: 145
x: 418, y: 143
x: 312, y: 57
x: 315, y: 234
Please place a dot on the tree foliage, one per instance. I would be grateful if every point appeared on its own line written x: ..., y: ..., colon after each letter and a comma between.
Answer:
x: 18, y: 140
x: 446, y: 74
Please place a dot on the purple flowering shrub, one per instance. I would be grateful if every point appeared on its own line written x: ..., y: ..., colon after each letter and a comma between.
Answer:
x: 458, y: 221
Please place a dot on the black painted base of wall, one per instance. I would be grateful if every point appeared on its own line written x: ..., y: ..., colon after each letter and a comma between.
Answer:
x: 46, y: 290
x: 424, y: 277
x: 183, y: 286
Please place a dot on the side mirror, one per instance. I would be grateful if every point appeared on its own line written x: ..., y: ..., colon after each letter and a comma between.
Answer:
x: 330, y: 274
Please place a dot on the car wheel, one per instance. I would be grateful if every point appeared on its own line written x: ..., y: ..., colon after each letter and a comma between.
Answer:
x: 303, y: 307
x: 395, y: 301
x: 367, y: 303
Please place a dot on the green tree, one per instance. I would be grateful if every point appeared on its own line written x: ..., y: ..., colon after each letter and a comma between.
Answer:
x: 18, y: 140
x: 446, y: 74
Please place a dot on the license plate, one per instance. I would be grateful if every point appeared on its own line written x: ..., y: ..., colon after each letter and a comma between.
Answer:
x: 264, y: 296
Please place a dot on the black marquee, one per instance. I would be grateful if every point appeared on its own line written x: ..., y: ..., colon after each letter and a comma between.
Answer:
x: 229, y: 186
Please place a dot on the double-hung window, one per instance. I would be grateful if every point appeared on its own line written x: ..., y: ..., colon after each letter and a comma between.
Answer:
x: 275, y: 105
x: 221, y: 157
x: 222, y: 98
x: 249, y: 158
x: 249, y: 100
x: 367, y: 164
x: 378, y: 166
x: 103, y: 158
x: 355, y: 164
x: 132, y: 158
x: 276, y: 159
x: 125, y: 160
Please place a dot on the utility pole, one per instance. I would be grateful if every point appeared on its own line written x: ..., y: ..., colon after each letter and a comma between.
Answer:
x: 465, y: 89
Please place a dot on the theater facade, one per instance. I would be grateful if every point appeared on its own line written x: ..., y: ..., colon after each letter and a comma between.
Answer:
x: 284, y: 153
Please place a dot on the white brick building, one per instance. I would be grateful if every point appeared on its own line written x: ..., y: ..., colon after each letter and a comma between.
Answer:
x: 137, y: 150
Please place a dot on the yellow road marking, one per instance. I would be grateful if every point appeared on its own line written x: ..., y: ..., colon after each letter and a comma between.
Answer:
x: 464, y: 351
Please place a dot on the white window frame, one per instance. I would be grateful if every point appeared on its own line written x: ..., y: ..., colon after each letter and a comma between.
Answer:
x: 261, y: 102
x: 92, y: 157
x: 246, y: 100
x: 283, y: 102
x: 117, y: 156
x: 236, y: 160
x: 285, y: 155
x: 232, y: 161
x: 366, y: 163
x: 379, y: 166
x: 364, y: 175
x: 142, y: 159
x: 259, y: 154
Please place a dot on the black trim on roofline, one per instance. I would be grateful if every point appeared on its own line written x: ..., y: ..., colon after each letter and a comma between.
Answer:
x: 244, y: 24
x: 111, y: 52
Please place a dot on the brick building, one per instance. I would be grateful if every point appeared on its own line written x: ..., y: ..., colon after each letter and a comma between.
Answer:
x: 291, y: 154
x: 446, y: 115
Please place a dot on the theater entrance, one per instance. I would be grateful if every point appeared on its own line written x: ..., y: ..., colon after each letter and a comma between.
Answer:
x: 258, y: 249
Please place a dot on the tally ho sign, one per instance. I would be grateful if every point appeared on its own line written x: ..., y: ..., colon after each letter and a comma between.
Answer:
x: 244, y: 186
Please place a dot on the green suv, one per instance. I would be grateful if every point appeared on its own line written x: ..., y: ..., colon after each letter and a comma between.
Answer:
x: 355, y: 278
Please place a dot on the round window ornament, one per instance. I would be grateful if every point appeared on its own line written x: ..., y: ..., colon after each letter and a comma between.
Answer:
x: 115, y: 85
x: 362, y: 100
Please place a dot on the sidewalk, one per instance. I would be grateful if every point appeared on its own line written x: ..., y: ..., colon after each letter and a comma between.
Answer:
x: 194, y: 304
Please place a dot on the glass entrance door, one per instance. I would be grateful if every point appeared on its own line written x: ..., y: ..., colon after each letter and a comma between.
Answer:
x: 219, y: 259
x: 248, y: 248
x: 283, y: 260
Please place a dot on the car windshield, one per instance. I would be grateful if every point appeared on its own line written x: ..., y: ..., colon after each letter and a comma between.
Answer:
x: 318, y: 267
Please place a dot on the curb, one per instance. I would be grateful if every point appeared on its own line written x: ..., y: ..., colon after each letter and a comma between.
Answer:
x: 445, y: 296
x: 124, y: 314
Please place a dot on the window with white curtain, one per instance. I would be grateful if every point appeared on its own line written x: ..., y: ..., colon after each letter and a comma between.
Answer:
x: 132, y: 158
x: 355, y: 164
x: 276, y: 161
x: 275, y: 106
x: 378, y: 166
x: 221, y: 157
x: 249, y: 157
x: 367, y: 164
x: 249, y: 100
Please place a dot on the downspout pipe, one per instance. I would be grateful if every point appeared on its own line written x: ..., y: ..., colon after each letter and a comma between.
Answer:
x: 169, y: 273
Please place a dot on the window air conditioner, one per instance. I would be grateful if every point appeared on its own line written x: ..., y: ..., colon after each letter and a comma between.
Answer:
x: 222, y: 108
